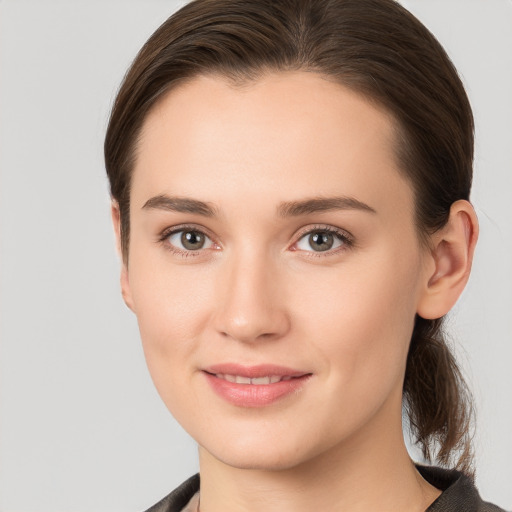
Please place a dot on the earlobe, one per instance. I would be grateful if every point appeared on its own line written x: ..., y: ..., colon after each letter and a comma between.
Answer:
x: 451, y: 258
x: 125, y: 288
x: 124, y: 278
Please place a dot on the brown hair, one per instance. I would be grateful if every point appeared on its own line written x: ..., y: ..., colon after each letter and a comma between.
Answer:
x: 376, y: 48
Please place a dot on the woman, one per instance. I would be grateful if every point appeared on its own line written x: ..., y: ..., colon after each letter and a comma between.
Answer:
x: 290, y: 185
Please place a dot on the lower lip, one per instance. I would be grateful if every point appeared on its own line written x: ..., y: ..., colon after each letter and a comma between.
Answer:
x: 255, y: 395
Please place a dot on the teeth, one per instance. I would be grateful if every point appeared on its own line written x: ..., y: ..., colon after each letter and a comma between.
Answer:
x: 238, y: 379
x: 261, y: 380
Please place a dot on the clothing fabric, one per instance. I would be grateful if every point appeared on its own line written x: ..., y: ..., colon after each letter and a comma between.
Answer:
x: 458, y: 494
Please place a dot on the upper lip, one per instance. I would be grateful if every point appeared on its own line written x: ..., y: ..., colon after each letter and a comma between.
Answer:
x: 253, y: 372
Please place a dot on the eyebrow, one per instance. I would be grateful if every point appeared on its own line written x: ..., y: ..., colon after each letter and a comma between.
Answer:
x: 286, y: 209
x: 322, y: 204
x: 180, y: 205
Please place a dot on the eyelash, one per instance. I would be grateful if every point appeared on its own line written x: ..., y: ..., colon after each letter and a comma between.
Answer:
x: 346, y: 240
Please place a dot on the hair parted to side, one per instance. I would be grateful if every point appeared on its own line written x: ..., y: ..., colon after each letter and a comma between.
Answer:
x: 376, y: 48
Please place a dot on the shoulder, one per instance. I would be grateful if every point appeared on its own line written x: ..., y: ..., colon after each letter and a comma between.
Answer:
x: 459, y: 493
x: 177, y: 499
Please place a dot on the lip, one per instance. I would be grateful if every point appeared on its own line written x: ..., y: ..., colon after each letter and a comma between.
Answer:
x: 255, y: 395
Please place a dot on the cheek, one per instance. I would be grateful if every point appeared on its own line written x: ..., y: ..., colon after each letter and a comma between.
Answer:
x: 173, y: 305
x: 170, y: 300
x: 362, y: 319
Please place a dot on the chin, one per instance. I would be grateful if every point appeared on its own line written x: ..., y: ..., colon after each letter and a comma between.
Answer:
x: 258, y: 461
x: 260, y: 454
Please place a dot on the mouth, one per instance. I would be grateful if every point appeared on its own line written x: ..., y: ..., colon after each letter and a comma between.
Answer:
x: 255, y: 386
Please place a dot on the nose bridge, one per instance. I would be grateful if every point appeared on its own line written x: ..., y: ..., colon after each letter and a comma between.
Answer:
x: 251, y: 307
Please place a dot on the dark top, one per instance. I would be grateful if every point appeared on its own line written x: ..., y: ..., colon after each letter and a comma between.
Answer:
x: 458, y: 493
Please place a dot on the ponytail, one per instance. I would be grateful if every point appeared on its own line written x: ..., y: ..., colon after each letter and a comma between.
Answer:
x: 437, y: 399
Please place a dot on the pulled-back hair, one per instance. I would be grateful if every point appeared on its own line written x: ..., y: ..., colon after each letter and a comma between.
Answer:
x: 376, y: 48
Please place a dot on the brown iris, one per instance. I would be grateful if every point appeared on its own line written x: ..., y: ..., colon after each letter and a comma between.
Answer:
x: 321, y: 240
x: 192, y: 240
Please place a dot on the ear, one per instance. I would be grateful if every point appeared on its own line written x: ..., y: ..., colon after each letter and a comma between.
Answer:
x: 450, y: 261
x: 125, y: 283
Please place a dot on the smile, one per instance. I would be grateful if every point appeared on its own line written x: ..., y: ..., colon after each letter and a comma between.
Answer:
x: 258, y: 381
x: 255, y: 386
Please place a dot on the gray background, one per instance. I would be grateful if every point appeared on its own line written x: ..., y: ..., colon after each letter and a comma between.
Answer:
x: 81, y: 427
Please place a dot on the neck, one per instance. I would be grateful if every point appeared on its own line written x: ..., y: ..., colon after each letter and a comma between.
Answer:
x: 372, y: 472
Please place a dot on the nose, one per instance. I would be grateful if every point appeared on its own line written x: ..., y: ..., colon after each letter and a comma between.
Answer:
x: 253, y: 303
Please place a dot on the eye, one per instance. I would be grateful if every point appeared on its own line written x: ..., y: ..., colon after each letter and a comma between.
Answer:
x: 322, y: 240
x: 188, y: 240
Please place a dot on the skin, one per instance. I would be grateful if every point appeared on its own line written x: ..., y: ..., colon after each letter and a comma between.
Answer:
x: 259, y: 293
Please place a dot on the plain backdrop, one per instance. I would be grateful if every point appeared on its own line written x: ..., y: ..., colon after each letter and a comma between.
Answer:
x: 81, y: 427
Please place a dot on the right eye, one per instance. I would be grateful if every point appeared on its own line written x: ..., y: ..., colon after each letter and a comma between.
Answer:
x: 187, y: 240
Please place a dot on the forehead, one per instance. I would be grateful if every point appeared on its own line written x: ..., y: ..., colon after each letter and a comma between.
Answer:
x: 285, y: 132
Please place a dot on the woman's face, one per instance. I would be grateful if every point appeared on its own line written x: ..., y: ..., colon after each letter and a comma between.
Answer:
x: 274, y: 266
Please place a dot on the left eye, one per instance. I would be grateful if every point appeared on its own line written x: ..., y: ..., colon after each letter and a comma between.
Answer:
x: 320, y: 241
x: 190, y: 240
